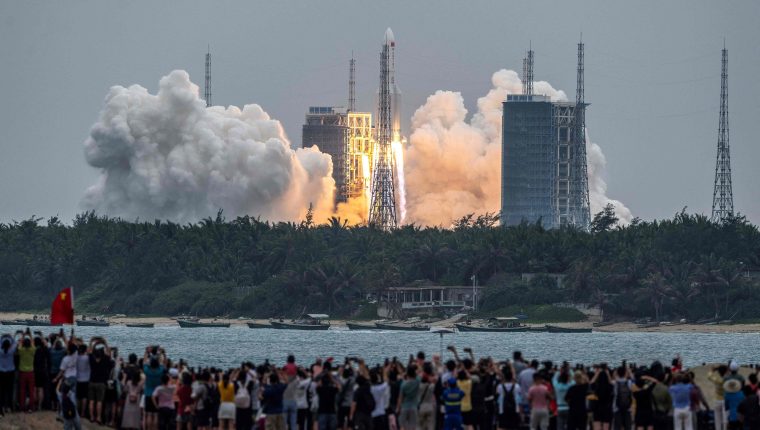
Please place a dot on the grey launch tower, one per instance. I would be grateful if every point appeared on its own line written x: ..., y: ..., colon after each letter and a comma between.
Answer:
x: 382, y: 210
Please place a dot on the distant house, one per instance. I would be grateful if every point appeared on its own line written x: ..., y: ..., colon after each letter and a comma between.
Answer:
x: 399, y: 302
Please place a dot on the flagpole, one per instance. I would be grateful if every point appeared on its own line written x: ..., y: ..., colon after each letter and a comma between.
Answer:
x: 73, y: 313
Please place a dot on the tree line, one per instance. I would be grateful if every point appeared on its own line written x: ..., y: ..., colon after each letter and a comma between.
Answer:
x: 684, y: 267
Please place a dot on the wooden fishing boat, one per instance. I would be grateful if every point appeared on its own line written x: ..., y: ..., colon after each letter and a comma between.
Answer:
x: 306, y: 322
x: 557, y: 329
x: 94, y: 322
x: 650, y: 324
x: 139, y: 325
x: 400, y: 327
x: 483, y: 328
x: 497, y: 324
x: 603, y: 323
x: 359, y: 326
x: 259, y: 325
x: 198, y: 324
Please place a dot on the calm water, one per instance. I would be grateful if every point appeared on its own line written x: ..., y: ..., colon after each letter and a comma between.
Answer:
x: 231, y: 346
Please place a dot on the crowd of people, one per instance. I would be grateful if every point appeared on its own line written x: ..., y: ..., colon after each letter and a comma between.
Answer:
x: 88, y: 379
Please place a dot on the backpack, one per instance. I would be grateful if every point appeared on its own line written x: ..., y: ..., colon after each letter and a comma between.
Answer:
x: 242, y: 397
x: 68, y: 408
x: 508, y: 404
x: 364, y: 397
x: 624, y: 397
x: 212, y: 400
x: 478, y: 396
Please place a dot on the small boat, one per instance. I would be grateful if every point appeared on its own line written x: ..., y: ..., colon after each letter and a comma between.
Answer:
x: 307, y: 322
x: 13, y: 322
x: 650, y: 324
x: 358, y: 326
x: 602, y: 323
x: 139, y: 325
x: 93, y: 323
x: 259, y: 325
x: 186, y: 323
x: 498, y: 324
x: 557, y: 329
x: 400, y: 327
x: 482, y: 328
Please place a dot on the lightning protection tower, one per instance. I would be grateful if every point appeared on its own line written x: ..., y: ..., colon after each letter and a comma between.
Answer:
x: 723, y: 199
x: 352, y: 84
x: 207, y: 89
x: 580, y: 211
x: 528, y: 72
x: 382, y: 210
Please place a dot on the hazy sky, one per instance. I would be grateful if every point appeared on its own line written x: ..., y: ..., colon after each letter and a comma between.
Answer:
x: 652, y: 78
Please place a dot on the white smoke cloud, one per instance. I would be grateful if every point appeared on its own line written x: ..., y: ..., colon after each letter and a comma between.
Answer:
x: 597, y: 186
x: 453, y: 166
x: 167, y: 156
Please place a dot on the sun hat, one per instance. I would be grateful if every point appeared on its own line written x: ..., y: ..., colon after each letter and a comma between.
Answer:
x: 732, y: 386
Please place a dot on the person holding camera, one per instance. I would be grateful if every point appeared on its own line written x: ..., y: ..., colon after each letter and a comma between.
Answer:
x: 101, y: 366
x: 26, y: 384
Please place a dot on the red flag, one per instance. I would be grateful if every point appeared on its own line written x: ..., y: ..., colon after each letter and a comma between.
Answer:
x: 62, y: 310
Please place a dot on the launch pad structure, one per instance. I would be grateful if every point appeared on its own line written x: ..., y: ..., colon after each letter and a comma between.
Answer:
x: 382, y: 210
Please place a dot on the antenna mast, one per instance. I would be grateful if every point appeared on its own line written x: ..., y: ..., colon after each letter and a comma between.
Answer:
x: 207, y: 90
x: 529, y: 71
x: 723, y: 198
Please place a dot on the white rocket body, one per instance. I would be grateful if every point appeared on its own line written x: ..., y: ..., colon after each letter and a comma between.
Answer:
x: 395, y: 93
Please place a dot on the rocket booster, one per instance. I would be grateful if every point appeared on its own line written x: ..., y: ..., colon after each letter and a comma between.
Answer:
x: 395, y: 93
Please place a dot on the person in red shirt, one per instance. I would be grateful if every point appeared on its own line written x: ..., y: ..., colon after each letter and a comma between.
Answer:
x: 290, y: 367
x: 184, y: 401
x: 539, y: 398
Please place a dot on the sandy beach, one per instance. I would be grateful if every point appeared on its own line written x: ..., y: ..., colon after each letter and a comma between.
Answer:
x: 628, y: 327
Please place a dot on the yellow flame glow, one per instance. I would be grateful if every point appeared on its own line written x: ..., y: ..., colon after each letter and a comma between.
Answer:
x: 397, y: 149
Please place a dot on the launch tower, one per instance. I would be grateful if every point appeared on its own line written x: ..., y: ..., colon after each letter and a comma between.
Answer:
x: 382, y: 211
x: 543, y: 171
x: 723, y: 197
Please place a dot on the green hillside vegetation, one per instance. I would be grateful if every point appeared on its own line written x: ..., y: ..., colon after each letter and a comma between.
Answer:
x: 685, y: 267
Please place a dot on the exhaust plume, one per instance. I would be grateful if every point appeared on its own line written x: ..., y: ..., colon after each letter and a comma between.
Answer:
x: 453, y: 165
x: 167, y: 156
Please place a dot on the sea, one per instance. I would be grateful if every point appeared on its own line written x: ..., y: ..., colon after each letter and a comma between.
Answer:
x: 228, y: 347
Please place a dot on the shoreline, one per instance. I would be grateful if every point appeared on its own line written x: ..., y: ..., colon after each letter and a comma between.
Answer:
x: 624, y: 327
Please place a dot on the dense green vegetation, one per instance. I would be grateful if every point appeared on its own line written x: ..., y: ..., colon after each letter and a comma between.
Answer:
x: 683, y: 267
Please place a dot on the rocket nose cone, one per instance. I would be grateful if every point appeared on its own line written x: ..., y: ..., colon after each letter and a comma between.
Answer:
x: 389, y: 36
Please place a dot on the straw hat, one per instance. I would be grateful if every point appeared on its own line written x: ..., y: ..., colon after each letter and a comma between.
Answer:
x: 732, y: 386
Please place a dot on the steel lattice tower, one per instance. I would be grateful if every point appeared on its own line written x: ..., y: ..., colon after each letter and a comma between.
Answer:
x: 382, y: 210
x: 207, y: 89
x: 580, y: 207
x: 352, y: 84
x: 723, y: 198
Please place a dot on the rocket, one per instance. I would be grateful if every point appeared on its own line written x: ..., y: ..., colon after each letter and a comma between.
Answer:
x: 395, y: 93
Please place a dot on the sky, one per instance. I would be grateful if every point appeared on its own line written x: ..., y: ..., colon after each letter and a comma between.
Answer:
x: 652, y: 78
